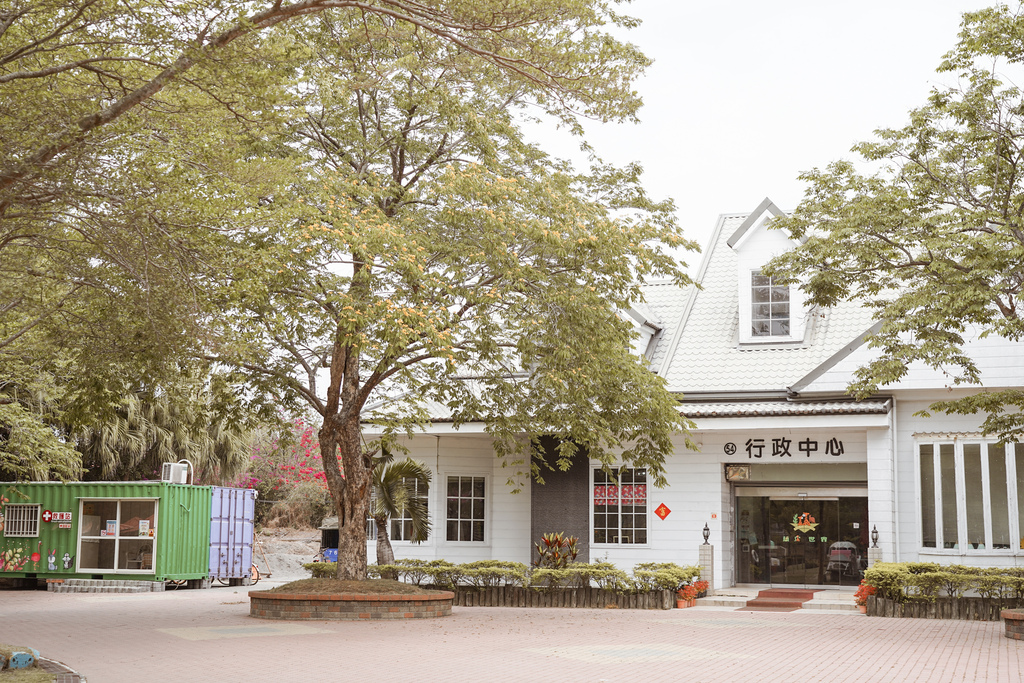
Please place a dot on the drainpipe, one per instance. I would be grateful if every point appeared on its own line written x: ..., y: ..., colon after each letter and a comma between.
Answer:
x: 894, y: 438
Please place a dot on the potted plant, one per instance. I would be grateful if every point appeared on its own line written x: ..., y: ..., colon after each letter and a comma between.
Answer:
x: 687, y: 596
x: 861, y: 596
x: 701, y: 587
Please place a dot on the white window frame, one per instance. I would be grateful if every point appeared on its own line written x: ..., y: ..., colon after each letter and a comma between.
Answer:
x: 153, y: 542
x: 23, y: 518
x: 647, y: 513
x: 770, y: 303
x: 371, y: 524
x: 430, y: 509
x: 963, y: 547
x: 487, y: 508
x: 798, y: 319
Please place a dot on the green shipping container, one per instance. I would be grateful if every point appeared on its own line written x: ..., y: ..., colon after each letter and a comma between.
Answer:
x: 150, y: 530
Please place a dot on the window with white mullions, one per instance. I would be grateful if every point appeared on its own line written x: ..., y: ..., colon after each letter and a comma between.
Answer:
x: 401, y: 526
x: 769, y: 312
x: 620, y: 507
x: 971, y: 495
x: 465, y: 509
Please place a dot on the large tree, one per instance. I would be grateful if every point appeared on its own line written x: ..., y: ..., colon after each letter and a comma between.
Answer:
x: 442, y: 258
x: 140, y: 137
x: 934, y: 241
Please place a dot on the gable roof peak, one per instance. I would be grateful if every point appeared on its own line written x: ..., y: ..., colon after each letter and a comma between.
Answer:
x: 766, y: 206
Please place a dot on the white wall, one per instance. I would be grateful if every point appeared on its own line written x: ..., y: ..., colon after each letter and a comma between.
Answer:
x: 507, y: 515
x: 908, y: 510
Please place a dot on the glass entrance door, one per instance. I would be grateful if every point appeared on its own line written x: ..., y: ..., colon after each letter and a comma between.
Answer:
x: 807, y: 540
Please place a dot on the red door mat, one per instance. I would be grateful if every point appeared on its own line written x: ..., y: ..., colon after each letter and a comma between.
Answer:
x: 778, y: 600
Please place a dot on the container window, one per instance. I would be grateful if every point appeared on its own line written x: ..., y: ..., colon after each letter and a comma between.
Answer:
x: 20, y: 520
x: 118, y: 535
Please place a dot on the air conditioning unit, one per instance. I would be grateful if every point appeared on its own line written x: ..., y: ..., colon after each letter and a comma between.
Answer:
x: 175, y: 473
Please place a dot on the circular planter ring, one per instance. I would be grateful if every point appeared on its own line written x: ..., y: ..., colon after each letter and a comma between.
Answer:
x: 348, y: 606
x: 1013, y: 621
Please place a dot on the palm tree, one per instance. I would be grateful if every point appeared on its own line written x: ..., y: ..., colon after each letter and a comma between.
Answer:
x: 398, y: 493
x: 144, y: 431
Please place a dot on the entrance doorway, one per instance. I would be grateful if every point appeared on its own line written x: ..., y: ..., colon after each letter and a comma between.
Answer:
x: 816, y: 537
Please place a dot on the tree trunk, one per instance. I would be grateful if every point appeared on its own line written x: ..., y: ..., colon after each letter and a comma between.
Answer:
x: 385, y: 553
x: 349, y: 485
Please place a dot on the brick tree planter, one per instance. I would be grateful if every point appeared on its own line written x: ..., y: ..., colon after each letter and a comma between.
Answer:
x: 1013, y: 620
x: 349, y: 607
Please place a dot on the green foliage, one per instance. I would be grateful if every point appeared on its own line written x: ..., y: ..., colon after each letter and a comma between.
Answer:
x: 394, y: 488
x: 916, y: 581
x: 323, y: 570
x: 104, y: 102
x: 556, y: 550
x: 664, y: 576
x: 440, y: 573
x: 932, y: 242
x: 582, y: 575
x: 888, y: 579
x: 491, y: 573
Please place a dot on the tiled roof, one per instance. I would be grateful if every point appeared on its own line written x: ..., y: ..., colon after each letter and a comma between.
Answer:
x: 668, y: 302
x: 774, y: 408
x: 707, y: 355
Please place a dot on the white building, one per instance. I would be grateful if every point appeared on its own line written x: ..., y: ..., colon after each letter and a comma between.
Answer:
x: 791, y: 475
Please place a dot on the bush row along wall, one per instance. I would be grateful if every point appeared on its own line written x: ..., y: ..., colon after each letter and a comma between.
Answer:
x: 495, y: 573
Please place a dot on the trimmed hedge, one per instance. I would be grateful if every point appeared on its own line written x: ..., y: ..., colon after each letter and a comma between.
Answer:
x: 496, y: 573
x: 925, y: 581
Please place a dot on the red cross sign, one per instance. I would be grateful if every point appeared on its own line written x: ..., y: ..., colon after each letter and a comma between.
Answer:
x: 47, y: 516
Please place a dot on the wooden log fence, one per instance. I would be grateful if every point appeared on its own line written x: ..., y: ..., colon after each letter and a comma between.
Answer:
x: 592, y: 598
x: 965, y: 609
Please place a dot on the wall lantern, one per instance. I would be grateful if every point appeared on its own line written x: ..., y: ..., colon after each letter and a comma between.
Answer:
x: 707, y: 534
x: 874, y: 536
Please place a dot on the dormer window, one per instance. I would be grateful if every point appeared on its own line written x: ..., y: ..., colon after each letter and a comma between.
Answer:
x: 769, y: 313
x: 769, y: 307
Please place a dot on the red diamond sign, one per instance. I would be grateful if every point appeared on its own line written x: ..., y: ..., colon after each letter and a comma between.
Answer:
x: 662, y: 511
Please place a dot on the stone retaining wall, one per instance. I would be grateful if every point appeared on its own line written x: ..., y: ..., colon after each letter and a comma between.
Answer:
x: 312, y: 607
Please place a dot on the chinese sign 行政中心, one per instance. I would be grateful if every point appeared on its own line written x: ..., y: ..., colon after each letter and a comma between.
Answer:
x: 781, y: 447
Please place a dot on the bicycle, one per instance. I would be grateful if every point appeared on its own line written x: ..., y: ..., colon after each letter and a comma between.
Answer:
x: 254, y: 577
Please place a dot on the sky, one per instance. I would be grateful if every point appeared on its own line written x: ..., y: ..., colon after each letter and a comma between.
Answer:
x: 746, y: 95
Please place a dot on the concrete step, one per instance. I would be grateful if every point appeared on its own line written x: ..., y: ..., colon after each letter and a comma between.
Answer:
x: 737, y: 598
x: 774, y: 604
x: 102, y: 586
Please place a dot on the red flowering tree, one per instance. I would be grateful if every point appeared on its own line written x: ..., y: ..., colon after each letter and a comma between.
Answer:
x: 286, y: 470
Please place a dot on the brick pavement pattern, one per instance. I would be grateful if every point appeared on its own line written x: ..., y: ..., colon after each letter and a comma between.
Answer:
x: 207, y: 635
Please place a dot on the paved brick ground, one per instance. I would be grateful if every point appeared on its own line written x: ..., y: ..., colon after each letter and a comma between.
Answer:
x: 207, y: 635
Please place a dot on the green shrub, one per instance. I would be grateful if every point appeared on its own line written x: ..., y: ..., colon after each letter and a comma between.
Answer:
x: 492, y: 573
x: 889, y: 580
x: 606, y: 575
x: 663, y: 576
x: 322, y: 570
x: 927, y: 585
x: 905, y: 581
x: 582, y: 575
x: 440, y: 573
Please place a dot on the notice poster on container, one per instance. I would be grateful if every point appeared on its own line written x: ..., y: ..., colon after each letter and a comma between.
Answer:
x: 143, y: 527
x: 111, y: 527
